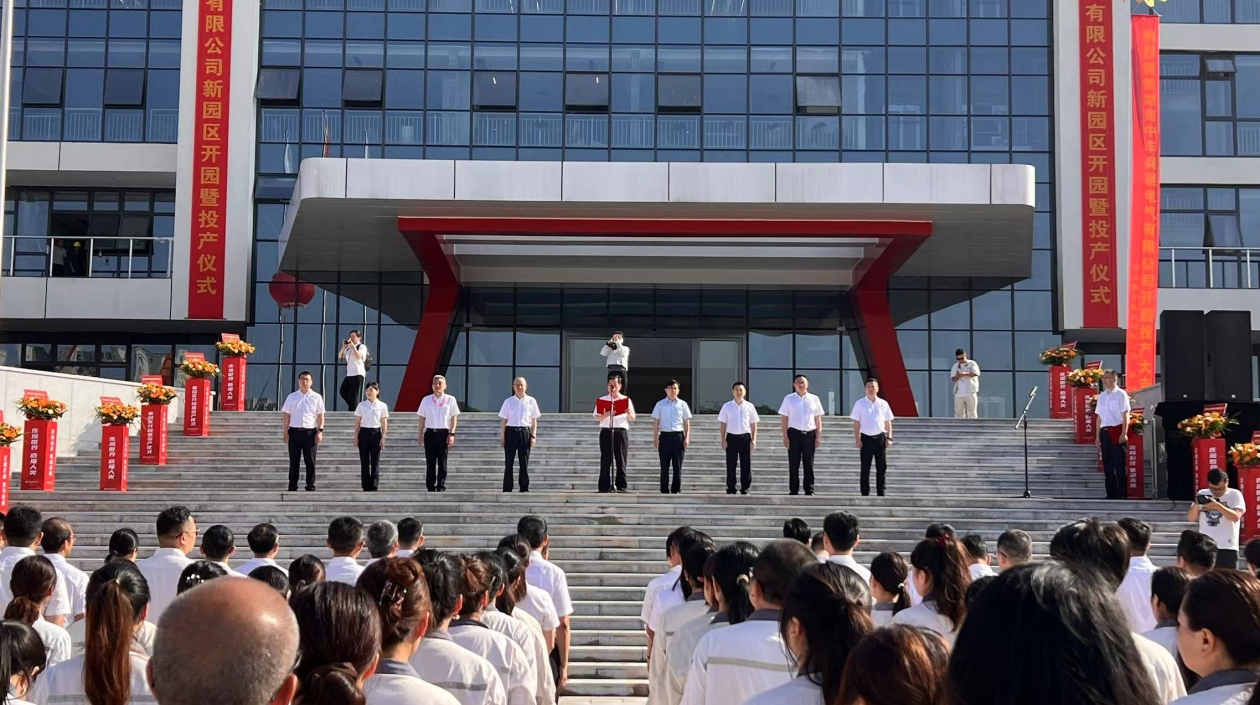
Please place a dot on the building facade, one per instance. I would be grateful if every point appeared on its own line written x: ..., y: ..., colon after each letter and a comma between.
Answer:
x: 107, y: 109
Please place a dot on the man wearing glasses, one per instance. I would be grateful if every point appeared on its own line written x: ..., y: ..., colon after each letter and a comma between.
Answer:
x: 965, y: 374
x: 177, y: 537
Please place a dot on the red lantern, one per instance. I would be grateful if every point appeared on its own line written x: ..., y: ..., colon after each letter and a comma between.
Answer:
x: 288, y: 292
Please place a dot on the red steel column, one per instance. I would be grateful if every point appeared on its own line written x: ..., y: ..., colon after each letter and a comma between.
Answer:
x: 442, y: 271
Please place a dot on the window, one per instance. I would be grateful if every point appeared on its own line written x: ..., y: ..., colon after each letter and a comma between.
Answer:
x: 817, y: 95
x: 278, y: 84
x: 494, y: 91
x: 42, y: 86
x: 678, y: 94
x: 1209, y: 237
x: 586, y: 93
x: 360, y: 86
x: 1210, y: 104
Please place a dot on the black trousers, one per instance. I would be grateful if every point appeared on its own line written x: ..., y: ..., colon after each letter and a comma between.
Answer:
x: 352, y: 391
x: 516, y: 442
x: 612, y: 449
x: 1115, y: 459
x: 370, y: 458
x: 619, y: 371
x: 1227, y: 558
x: 738, y: 448
x: 801, y: 452
x: 302, y: 447
x: 435, y: 458
x: 874, y: 448
x: 671, y: 452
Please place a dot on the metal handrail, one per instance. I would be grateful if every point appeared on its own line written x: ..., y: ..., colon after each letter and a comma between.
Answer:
x: 1241, y: 256
x: 11, y: 250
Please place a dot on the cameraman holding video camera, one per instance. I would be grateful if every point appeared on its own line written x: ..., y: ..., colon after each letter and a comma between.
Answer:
x: 355, y: 354
x: 1219, y: 510
x: 618, y: 354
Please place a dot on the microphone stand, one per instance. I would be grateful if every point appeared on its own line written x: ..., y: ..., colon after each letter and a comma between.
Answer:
x: 1023, y: 421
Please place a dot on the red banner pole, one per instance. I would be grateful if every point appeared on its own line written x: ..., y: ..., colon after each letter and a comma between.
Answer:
x: 1098, y: 164
x: 1143, y: 288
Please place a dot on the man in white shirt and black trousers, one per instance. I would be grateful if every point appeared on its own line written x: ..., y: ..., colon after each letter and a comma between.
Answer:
x: 801, y: 414
x: 737, y: 425
x: 671, y: 434
x: 618, y: 354
x: 872, y: 432
x: 355, y: 353
x: 614, y: 430
x: 438, y: 414
x: 1111, y: 435
x: 518, y: 431
x: 303, y: 429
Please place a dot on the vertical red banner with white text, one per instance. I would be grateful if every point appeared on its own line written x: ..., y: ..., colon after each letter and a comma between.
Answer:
x: 1098, y: 165
x: 1144, y: 216
x: 207, y: 253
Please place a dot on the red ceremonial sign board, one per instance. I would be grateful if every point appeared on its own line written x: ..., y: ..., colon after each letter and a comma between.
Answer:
x: 39, y: 455
x: 232, y: 390
x: 35, y: 394
x: 197, y: 407
x: 153, y: 431
x: 1215, y: 408
x: 230, y: 337
x: 1098, y: 164
x: 1084, y: 415
x: 1249, y: 485
x: 1096, y: 365
x: 152, y: 379
x: 115, y: 457
x: 1137, y: 461
x: 200, y: 357
x: 210, y: 159
x: 1060, y: 392
x: 1208, y: 453
x: 1144, y: 214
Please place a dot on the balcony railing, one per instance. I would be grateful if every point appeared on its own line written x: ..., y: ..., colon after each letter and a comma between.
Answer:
x: 1209, y: 268
x: 102, y: 258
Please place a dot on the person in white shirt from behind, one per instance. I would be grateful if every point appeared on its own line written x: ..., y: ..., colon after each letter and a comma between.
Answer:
x: 1216, y: 637
x: 826, y: 614
x: 469, y: 677
x: 1219, y: 509
x: 618, y: 358
x: 410, y: 537
x: 546, y: 575
x: 124, y: 545
x: 965, y: 375
x: 371, y: 426
x: 58, y: 542
x: 737, y: 427
x: 468, y: 631
x: 382, y: 540
x: 741, y: 661
x: 942, y: 577
x: 23, y: 527
x: 31, y: 582
x: 672, y: 596
x: 978, y: 558
x: 518, y: 431
x: 22, y: 661
x: 532, y: 603
x: 117, y: 603
x: 496, y: 616
x: 890, y: 577
x: 669, y: 580
x: 176, y: 535
x: 398, y: 588
x: 840, y: 537
x: 218, y: 545
x: 1168, y: 588
x: 345, y: 538
x: 694, y: 607
x: 1135, y: 591
x: 264, y: 543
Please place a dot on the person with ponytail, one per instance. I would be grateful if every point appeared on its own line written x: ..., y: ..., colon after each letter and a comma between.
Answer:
x: 31, y: 582
x: 111, y: 670
x: 890, y: 577
x: 726, y: 592
x: 304, y: 571
x: 339, y: 641
x: 941, y: 576
x: 743, y: 660
x: 397, y: 587
x: 516, y: 630
x: 897, y: 665
x: 695, y: 606
x: 531, y: 601
x: 197, y: 573
x: 22, y: 659
x: 826, y: 614
x: 124, y: 545
x: 469, y: 631
x: 1218, y: 637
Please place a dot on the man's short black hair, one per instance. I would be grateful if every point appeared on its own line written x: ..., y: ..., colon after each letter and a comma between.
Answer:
x: 345, y: 534
x: 841, y: 529
x: 262, y: 539
x: 171, y: 522
x: 57, y: 533
x: 800, y: 377
x: 672, y: 383
x: 1252, y: 553
x: 816, y: 544
x: 959, y: 351
x: 1139, y: 533
x: 1197, y: 550
x: 1015, y: 545
x: 409, y: 531
x: 797, y: 529
x: 534, y: 529
x: 871, y: 379
x: 975, y: 546
x: 1095, y: 545
x: 1216, y: 476
x: 218, y: 542
x: 1168, y: 585
x: 306, y: 373
x: 936, y: 531
x: 22, y: 525
x: 739, y: 384
x: 355, y: 331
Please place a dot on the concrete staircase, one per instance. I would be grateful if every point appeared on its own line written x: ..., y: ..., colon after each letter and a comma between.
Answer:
x: 967, y: 473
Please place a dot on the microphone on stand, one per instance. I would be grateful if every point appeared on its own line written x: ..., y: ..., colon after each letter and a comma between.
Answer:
x: 1033, y: 393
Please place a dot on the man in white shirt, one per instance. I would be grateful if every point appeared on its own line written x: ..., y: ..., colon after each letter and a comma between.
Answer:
x: 264, y: 543
x: 977, y: 556
x: 965, y: 374
x: 1111, y: 435
x: 58, y: 542
x: 873, y: 434
x: 345, y: 538
x: 382, y: 540
x: 176, y: 535
x: 801, y: 414
x: 410, y: 537
x: 618, y: 354
x: 518, y: 431
x: 840, y: 537
x: 614, y: 429
x: 303, y: 412
x: 1219, y: 510
x: 546, y: 575
x: 1135, y: 591
x: 671, y: 435
x: 355, y: 353
x: 218, y: 545
x: 737, y: 426
x: 438, y: 414
x: 23, y: 526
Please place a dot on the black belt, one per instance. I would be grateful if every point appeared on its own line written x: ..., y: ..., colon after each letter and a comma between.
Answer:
x: 299, y: 428
x: 437, y: 430
x: 877, y: 435
x: 797, y: 430
x: 671, y: 433
x: 739, y: 435
x: 519, y: 428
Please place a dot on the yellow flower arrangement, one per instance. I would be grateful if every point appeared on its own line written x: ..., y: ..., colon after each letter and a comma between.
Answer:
x: 1206, y: 425
x: 235, y: 348
x: 199, y: 369
x: 1061, y: 355
x: 1245, y: 455
x: 1088, y: 377
x: 9, y: 434
x: 158, y: 394
x: 42, y: 409
x: 117, y: 414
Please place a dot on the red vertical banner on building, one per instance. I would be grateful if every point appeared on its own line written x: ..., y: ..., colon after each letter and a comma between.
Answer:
x: 210, y: 161
x: 1144, y: 217
x: 1098, y: 164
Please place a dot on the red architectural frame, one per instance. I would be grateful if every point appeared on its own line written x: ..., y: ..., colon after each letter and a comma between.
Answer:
x: 877, y: 335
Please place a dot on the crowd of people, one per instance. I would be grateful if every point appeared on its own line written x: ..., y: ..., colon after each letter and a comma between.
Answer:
x: 796, y: 621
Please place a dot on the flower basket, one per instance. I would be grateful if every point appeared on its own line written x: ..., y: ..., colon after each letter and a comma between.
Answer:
x: 41, y: 409
x: 1210, y: 425
x: 156, y: 394
x: 117, y: 414
x: 199, y: 369
x: 1059, y: 356
x: 1245, y: 455
x: 9, y: 434
x: 1137, y: 421
x: 234, y: 348
x: 1087, y: 377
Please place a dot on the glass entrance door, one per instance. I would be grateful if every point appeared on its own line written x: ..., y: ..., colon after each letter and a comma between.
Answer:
x: 705, y: 369
x: 718, y: 365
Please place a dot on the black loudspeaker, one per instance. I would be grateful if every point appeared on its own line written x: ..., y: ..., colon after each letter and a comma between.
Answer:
x: 1228, y: 360
x: 1181, y: 355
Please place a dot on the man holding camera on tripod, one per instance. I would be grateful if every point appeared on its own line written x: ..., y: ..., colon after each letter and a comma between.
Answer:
x: 355, y: 354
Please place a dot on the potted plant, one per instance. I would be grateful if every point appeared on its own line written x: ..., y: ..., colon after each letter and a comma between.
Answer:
x: 9, y: 434
x: 1088, y: 377
x: 234, y: 348
x: 1209, y: 425
x: 156, y: 394
x: 1137, y: 420
x: 37, y: 409
x: 117, y: 414
x: 1245, y: 455
x: 1061, y: 355
x: 199, y: 369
